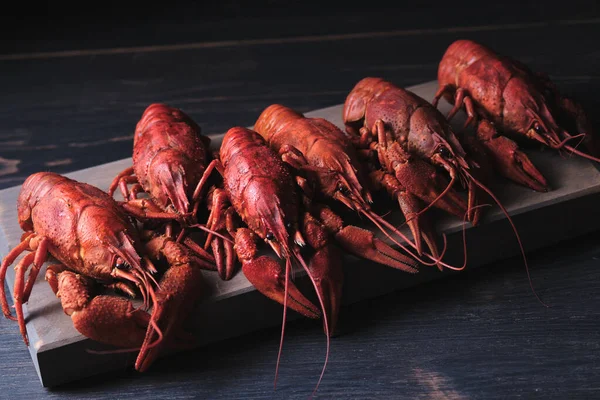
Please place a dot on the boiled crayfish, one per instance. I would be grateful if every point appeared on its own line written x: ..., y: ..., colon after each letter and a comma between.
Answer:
x: 410, y: 139
x: 170, y: 158
x: 516, y: 103
x: 171, y: 164
x: 272, y: 202
x: 96, y: 244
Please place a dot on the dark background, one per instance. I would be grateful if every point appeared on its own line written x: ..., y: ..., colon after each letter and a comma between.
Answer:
x: 56, y: 26
x: 71, y: 93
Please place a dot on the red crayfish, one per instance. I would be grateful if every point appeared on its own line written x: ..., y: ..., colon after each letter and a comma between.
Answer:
x: 171, y: 164
x: 508, y: 97
x: 96, y: 244
x: 412, y: 140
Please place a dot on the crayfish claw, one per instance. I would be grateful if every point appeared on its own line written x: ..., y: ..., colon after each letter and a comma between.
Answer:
x: 423, y: 181
x: 363, y: 243
x: 325, y: 267
x: 180, y: 288
x: 268, y: 277
x: 511, y: 162
x: 225, y: 257
x: 107, y: 319
x: 526, y: 173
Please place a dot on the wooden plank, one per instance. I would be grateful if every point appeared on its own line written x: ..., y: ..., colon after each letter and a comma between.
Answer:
x: 233, y: 306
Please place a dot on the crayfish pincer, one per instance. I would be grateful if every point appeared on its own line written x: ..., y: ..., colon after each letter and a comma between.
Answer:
x: 97, y: 245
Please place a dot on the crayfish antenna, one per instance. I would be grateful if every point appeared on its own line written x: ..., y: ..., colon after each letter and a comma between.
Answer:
x: 211, y: 232
x: 571, y: 149
x: 286, y: 285
x: 514, y: 228
x: 325, y: 316
x: 464, y: 235
x: 580, y: 153
x: 378, y: 221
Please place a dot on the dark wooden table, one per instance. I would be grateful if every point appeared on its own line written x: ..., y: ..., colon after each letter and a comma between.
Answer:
x: 72, y: 89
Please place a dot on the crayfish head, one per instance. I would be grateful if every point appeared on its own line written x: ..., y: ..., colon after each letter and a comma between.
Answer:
x: 431, y: 138
x: 117, y: 257
x: 445, y: 159
x: 106, y: 240
x: 281, y: 245
x: 272, y: 224
x: 527, y: 115
x: 338, y: 178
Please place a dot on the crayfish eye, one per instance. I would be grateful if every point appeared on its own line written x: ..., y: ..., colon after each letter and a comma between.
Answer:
x: 538, y: 128
x: 288, y: 225
x: 444, y: 152
x: 342, y: 188
x: 120, y: 263
x: 270, y: 236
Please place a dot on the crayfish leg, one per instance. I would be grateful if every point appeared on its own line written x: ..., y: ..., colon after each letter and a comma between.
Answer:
x: 221, y: 220
x: 8, y: 260
x: 127, y: 172
x: 22, y: 288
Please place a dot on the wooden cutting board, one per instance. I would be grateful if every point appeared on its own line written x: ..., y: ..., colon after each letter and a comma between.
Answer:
x: 235, y: 307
